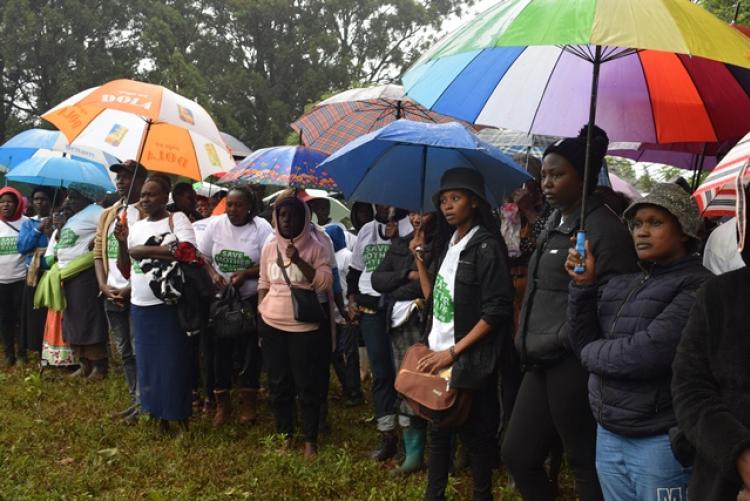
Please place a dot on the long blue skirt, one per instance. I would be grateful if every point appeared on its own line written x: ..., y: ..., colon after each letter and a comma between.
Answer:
x: 163, y: 354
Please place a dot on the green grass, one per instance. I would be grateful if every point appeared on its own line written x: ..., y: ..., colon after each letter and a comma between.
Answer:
x: 56, y: 442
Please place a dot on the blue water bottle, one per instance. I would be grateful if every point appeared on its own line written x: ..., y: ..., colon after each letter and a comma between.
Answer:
x: 581, y: 248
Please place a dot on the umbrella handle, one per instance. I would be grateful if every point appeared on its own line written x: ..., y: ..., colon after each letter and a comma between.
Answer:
x: 581, y: 249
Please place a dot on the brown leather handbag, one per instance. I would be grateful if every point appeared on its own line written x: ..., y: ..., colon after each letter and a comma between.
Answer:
x: 429, y: 395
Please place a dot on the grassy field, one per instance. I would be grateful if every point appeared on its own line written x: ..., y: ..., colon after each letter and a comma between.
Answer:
x: 56, y: 442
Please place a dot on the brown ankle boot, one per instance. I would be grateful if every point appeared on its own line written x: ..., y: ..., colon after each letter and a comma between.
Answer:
x: 223, y: 407
x: 84, y: 369
x: 311, y: 451
x: 248, y: 402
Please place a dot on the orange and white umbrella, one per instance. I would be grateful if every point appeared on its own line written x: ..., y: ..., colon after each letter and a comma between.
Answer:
x: 136, y: 120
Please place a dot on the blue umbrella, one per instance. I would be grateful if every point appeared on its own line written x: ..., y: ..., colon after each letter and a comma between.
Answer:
x: 29, y: 143
x: 60, y: 171
x: 294, y: 166
x: 402, y: 163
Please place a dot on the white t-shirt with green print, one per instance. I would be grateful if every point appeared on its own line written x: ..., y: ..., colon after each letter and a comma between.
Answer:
x: 442, y: 334
x: 234, y: 248
x: 12, y: 268
x: 114, y: 276
x: 370, y: 249
x: 76, y: 236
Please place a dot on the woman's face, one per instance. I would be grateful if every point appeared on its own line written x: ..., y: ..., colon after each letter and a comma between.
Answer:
x: 238, y: 207
x: 657, y: 235
x: 561, y: 184
x: 8, y: 205
x: 76, y: 202
x: 290, y: 221
x: 153, y: 198
x: 457, y: 206
x: 41, y: 203
x: 419, y: 220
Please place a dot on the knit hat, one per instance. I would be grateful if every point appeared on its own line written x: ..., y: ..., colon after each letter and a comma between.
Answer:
x: 461, y: 178
x: 574, y: 151
x: 675, y: 200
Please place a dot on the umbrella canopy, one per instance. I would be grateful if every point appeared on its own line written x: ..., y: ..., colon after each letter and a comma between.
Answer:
x: 344, y: 117
x: 236, y: 147
x: 512, y: 142
x: 670, y: 71
x: 42, y: 142
x: 136, y: 120
x: 206, y: 189
x: 717, y: 195
x: 295, y: 166
x: 690, y: 156
x: 619, y: 184
x: 60, y: 171
x: 402, y: 163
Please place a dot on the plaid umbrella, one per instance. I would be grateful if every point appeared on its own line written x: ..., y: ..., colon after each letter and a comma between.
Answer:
x: 717, y: 195
x: 344, y: 117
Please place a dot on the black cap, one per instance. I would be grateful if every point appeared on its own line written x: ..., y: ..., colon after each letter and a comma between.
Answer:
x: 461, y: 178
x: 130, y: 166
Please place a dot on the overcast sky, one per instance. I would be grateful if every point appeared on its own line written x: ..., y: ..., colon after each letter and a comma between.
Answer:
x: 455, y: 22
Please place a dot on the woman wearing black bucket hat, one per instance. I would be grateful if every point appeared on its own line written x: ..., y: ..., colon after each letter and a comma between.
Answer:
x: 470, y: 313
x: 552, y: 404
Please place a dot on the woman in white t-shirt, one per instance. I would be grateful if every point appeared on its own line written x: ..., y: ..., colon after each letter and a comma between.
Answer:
x: 233, y: 243
x: 84, y: 324
x: 163, y: 350
x: 12, y: 268
x: 469, y: 317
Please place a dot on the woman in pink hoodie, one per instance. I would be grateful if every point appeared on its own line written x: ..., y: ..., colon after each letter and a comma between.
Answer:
x: 292, y: 349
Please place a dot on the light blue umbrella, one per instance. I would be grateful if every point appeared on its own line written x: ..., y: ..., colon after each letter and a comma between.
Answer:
x: 42, y: 142
x: 402, y: 163
x: 60, y: 171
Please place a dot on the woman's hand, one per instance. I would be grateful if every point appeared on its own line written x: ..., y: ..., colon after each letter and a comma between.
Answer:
x: 743, y: 468
x: 45, y: 226
x: 238, y: 278
x: 217, y: 279
x: 292, y: 253
x: 435, y: 361
x: 121, y: 231
x: 588, y: 277
x: 416, y: 246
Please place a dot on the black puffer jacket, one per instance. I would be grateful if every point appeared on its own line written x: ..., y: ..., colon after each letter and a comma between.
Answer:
x: 627, y: 340
x: 391, y: 277
x: 711, y: 384
x: 483, y: 291
x: 543, y: 330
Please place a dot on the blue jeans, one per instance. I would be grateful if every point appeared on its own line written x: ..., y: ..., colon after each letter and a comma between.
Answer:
x: 378, y: 342
x: 641, y: 469
x: 122, y: 334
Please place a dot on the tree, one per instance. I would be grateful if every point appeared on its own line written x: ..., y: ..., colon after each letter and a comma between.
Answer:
x: 726, y: 9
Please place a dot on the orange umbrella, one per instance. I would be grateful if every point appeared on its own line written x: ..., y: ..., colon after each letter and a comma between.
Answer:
x: 136, y: 120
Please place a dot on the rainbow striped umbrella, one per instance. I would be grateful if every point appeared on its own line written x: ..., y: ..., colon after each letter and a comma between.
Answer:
x: 653, y: 71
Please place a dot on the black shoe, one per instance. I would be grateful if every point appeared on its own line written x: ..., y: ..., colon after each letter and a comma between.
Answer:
x: 10, y: 361
x: 388, y: 447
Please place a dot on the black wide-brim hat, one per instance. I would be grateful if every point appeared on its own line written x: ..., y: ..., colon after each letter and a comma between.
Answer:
x: 461, y: 178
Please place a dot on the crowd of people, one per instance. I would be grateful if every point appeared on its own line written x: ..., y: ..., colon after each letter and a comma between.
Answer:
x: 629, y: 360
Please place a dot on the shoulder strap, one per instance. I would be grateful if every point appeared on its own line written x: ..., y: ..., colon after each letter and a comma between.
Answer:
x: 280, y: 264
x: 11, y: 226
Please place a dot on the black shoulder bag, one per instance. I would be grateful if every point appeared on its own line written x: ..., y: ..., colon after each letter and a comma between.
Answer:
x: 305, y: 302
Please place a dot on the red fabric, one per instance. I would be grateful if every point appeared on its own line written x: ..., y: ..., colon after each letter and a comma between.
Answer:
x: 22, y: 203
x: 185, y: 252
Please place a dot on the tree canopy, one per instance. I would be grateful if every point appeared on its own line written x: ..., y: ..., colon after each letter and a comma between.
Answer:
x: 253, y: 64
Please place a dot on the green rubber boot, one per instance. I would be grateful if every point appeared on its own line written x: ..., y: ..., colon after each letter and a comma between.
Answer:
x: 414, y: 441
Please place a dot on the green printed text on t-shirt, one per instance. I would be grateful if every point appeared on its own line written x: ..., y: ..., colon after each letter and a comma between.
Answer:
x: 442, y: 301
x: 372, y: 256
x: 8, y: 246
x: 113, y: 247
x: 230, y: 261
x: 68, y: 239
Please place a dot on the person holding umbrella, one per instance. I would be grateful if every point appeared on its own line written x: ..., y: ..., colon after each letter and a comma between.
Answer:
x: 12, y: 269
x: 84, y: 322
x: 113, y: 286
x: 470, y: 310
x: 552, y: 403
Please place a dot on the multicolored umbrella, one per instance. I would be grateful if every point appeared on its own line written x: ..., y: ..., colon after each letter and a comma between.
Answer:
x: 644, y: 70
x: 134, y: 120
x: 344, y: 117
x: 689, y: 156
x: 717, y: 195
x: 294, y: 166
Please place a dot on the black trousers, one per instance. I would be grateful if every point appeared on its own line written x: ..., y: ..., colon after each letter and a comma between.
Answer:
x: 478, y: 436
x: 10, y: 309
x: 346, y: 360
x: 294, y: 363
x: 552, y: 407
x: 247, y: 350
